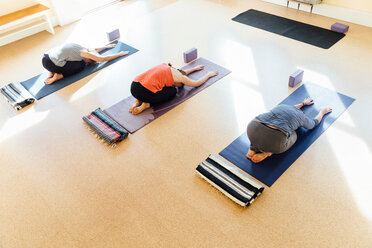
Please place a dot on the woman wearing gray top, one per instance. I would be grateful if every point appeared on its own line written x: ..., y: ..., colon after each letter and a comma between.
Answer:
x: 71, y: 58
x: 275, y: 131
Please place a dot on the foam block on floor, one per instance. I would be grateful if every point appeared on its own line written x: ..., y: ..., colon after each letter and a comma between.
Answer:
x: 295, y: 78
x: 190, y: 55
x: 340, y: 28
x: 113, y: 35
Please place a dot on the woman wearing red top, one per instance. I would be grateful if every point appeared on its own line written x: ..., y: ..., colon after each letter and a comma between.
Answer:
x: 159, y: 83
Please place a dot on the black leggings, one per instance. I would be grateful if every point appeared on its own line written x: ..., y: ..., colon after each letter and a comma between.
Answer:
x: 144, y: 95
x: 70, y: 68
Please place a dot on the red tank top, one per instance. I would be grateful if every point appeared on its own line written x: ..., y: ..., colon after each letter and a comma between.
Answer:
x: 156, y: 78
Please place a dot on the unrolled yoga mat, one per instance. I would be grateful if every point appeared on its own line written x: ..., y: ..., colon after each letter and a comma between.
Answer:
x: 307, y: 33
x: 270, y: 169
x: 119, y: 111
x: 39, y: 89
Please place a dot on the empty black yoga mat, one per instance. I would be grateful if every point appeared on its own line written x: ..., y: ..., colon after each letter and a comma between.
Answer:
x: 307, y: 33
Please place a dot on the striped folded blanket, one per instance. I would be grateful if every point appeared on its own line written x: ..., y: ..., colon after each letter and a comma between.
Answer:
x: 17, y: 95
x: 106, y: 129
x: 230, y: 180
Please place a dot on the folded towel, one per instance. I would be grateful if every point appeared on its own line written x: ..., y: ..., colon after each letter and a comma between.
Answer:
x: 106, y: 129
x: 230, y: 180
x: 17, y: 96
x: 111, y: 123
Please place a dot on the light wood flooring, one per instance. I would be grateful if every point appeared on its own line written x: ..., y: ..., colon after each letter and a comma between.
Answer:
x: 60, y: 187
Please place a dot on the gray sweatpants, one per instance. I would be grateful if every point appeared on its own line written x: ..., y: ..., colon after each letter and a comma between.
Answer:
x: 267, y: 139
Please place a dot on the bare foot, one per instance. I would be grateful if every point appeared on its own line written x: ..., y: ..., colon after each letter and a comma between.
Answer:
x: 250, y: 154
x: 55, y: 77
x: 141, y: 108
x: 51, y: 74
x: 258, y: 157
x: 135, y: 104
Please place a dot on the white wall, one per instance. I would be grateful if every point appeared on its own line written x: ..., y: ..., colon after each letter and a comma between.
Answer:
x: 7, y: 6
x: 361, y: 5
x: 67, y: 11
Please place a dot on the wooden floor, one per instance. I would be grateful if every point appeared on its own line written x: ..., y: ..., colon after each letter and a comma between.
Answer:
x: 60, y: 187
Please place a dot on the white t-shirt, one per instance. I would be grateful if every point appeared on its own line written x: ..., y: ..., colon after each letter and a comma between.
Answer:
x: 67, y: 52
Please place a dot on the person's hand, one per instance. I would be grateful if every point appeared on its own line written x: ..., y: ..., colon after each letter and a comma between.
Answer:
x: 110, y: 46
x: 212, y: 73
x: 199, y: 67
x: 123, y: 53
x: 325, y: 110
x: 308, y: 101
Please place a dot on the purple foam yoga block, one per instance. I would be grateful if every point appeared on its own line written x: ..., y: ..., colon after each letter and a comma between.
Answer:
x: 190, y: 55
x: 295, y: 78
x: 113, y: 35
x: 339, y: 27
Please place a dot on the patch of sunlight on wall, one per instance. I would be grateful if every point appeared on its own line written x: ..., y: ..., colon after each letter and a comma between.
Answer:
x: 353, y: 160
x: 21, y: 122
x: 243, y: 97
x: 240, y: 57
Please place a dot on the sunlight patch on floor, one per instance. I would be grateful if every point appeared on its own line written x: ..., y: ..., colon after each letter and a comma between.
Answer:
x: 87, y: 88
x: 317, y: 78
x: 324, y: 81
x: 21, y: 122
x: 98, y: 23
x: 248, y: 103
x: 353, y: 161
x: 244, y: 69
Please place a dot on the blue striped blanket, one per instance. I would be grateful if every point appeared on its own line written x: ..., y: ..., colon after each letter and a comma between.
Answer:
x: 17, y: 96
x: 230, y: 180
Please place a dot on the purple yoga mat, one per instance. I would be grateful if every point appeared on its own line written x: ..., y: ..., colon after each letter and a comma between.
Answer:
x: 119, y: 111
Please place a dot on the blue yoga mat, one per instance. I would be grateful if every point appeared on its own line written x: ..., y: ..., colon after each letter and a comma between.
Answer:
x: 39, y: 89
x: 270, y: 169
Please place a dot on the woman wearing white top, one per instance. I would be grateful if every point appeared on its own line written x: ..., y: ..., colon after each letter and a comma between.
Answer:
x: 71, y: 58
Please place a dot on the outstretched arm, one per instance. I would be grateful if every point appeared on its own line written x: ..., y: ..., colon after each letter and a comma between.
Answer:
x: 195, y: 83
x: 306, y: 101
x: 100, y: 49
x: 196, y: 68
x: 323, y: 111
x: 100, y: 58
